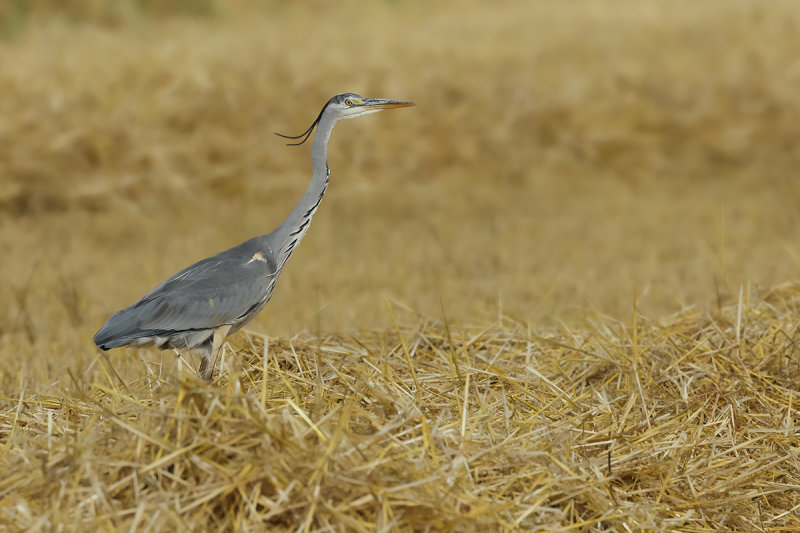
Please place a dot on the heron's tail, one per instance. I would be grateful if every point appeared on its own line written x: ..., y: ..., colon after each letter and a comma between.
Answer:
x: 106, y: 341
x: 118, y: 331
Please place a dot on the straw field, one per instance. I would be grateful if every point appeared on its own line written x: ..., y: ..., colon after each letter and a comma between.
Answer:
x: 560, y: 294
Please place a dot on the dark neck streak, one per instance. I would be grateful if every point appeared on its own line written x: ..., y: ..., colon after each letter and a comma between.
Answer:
x: 291, y: 232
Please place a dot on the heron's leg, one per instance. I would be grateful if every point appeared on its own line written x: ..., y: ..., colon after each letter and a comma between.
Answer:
x: 207, y: 370
x: 205, y: 352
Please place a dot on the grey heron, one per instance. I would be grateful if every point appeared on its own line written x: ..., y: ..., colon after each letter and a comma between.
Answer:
x: 201, y: 305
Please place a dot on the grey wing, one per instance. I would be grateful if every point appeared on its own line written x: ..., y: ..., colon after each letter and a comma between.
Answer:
x: 209, y: 296
x: 223, y: 289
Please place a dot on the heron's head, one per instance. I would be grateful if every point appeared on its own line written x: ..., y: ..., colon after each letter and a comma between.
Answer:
x: 348, y: 105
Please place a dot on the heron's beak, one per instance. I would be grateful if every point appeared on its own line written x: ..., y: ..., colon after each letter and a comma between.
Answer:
x: 380, y: 103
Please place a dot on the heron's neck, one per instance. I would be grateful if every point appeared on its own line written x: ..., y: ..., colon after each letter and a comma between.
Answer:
x: 291, y: 232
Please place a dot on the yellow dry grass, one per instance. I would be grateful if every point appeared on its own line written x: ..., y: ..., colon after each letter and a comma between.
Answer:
x: 565, y: 160
x: 687, y: 424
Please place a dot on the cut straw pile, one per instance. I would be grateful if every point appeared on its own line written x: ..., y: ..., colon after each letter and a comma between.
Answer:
x: 684, y: 424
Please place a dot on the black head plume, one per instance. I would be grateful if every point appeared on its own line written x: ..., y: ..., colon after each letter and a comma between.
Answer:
x: 306, y: 134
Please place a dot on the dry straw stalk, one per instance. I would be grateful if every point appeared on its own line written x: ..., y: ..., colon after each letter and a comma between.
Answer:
x: 693, y: 428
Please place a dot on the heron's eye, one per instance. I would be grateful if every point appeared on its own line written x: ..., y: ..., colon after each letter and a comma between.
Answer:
x: 348, y: 102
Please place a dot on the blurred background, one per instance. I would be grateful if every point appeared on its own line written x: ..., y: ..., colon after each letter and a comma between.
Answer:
x: 562, y: 157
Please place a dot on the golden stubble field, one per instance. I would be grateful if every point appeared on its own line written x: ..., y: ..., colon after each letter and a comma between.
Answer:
x: 563, y: 160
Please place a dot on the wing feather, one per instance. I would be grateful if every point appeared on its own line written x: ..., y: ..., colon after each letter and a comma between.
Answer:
x: 218, y: 290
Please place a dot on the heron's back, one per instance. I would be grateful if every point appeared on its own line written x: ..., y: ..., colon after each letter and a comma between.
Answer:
x: 228, y: 288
